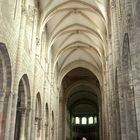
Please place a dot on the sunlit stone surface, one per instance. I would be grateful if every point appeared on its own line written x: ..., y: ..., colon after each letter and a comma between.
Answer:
x: 69, y: 70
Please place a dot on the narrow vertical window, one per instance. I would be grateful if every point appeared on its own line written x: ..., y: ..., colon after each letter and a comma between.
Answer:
x: 90, y: 120
x: 84, y: 120
x: 72, y: 120
x: 77, y: 120
x: 95, y: 120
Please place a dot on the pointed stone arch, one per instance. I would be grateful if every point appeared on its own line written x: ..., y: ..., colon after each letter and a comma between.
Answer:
x: 127, y: 100
x: 22, y: 122
x: 52, y: 129
x: 38, y: 114
x: 46, y: 121
x: 5, y: 86
x: 5, y: 70
x: 83, y: 64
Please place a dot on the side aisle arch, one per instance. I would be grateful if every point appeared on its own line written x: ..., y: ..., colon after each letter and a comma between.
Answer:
x: 5, y: 86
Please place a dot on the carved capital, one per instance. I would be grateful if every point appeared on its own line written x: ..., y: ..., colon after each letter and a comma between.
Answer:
x: 24, y: 10
x: 22, y: 110
x: 37, y: 119
x: 36, y: 11
x: 113, y: 4
x: 31, y: 13
x: 46, y: 124
x: 37, y: 41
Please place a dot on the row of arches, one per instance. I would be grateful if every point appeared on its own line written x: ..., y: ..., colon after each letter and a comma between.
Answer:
x: 23, y: 113
x: 24, y: 105
x: 24, y: 102
x: 84, y: 120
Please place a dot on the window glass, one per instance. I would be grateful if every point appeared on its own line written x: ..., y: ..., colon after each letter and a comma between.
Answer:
x: 72, y: 119
x: 84, y: 120
x: 77, y: 120
x: 95, y: 120
x: 90, y: 120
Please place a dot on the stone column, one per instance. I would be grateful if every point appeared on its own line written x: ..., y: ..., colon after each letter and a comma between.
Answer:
x: 1, y: 114
x: 136, y: 61
x: 37, y: 134
x: 33, y: 115
x: 28, y: 119
x: 114, y: 62
x: 43, y: 126
x: 52, y: 133
x: 46, y: 132
x: 61, y: 118
x: 36, y: 43
x: 36, y: 128
x: 8, y: 108
x: 13, y: 117
x: 22, y: 125
x: 18, y: 64
x: 100, y: 117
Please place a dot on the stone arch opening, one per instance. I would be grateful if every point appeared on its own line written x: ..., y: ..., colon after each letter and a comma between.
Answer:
x: 128, y: 100
x: 78, y: 99
x: 5, y: 86
x: 38, y: 113
x: 23, y: 109
x: 5, y: 70
x: 46, y: 121
x: 52, y: 125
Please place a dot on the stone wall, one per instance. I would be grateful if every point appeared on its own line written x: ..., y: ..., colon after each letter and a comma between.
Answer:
x: 124, y: 57
x: 19, y: 36
x: 23, y: 58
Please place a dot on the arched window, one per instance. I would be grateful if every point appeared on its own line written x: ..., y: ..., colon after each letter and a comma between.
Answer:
x: 38, y: 117
x: 72, y: 120
x: 95, y: 120
x: 90, y: 120
x: 84, y: 120
x: 77, y: 120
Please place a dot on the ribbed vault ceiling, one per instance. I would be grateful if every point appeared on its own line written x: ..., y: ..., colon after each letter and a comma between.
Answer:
x: 76, y: 31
